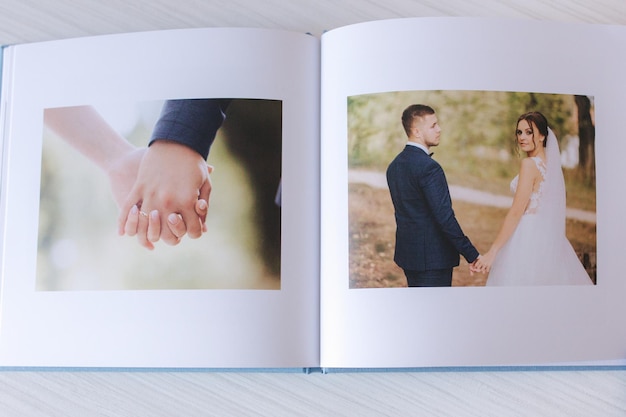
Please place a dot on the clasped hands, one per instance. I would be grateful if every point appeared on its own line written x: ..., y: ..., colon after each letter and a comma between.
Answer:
x: 162, y: 192
x: 483, y: 263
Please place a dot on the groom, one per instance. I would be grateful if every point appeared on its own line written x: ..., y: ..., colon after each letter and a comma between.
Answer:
x: 428, y: 236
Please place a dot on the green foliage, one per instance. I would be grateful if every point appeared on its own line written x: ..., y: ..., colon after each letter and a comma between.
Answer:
x: 478, y: 145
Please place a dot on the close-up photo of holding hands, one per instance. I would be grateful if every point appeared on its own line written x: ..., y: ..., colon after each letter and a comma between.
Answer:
x: 162, y: 188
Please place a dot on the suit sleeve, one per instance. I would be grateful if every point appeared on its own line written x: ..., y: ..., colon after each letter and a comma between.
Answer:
x: 437, y: 196
x: 191, y: 122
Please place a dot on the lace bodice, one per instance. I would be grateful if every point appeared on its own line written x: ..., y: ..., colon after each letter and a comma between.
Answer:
x: 535, y: 197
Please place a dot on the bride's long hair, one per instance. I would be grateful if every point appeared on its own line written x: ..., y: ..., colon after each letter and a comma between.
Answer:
x: 552, y: 205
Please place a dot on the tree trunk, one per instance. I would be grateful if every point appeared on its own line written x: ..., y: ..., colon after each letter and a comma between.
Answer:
x: 587, y: 136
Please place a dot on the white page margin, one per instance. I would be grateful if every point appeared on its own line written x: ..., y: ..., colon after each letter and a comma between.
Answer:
x: 470, y: 326
x: 212, y: 328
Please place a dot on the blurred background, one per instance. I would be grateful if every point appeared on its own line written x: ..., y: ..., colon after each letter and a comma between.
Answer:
x: 79, y: 248
x: 480, y: 157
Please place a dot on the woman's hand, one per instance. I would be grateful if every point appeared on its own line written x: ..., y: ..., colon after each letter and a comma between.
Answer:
x: 484, y: 263
x: 175, y: 223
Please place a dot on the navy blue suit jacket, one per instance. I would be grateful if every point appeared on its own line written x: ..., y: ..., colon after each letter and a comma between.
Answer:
x: 191, y: 122
x: 428, y: 236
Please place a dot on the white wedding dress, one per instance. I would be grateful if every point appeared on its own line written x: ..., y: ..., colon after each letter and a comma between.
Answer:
x: 538, y: 252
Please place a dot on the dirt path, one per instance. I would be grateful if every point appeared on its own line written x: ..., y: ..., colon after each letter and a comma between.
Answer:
x: 377, y: 180
x: 372, y: 231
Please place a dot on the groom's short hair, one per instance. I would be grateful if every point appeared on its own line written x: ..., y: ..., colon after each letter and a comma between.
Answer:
x: 412, y: 112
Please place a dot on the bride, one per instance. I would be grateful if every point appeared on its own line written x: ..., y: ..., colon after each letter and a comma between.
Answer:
x: 531, y: 247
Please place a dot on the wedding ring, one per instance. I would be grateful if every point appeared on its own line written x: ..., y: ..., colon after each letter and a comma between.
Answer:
x: 144, y: 214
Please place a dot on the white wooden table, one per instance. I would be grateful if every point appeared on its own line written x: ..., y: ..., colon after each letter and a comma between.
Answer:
x: 186, y: 393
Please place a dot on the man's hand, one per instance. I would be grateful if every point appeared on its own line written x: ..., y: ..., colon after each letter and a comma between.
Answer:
x: 473, y: 268
x: 171, y: 178
x: 485, y: 262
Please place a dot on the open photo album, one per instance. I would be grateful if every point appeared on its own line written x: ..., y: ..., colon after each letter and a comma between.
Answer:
x: 411, y: 193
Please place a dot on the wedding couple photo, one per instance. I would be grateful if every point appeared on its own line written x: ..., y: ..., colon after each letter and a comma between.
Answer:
x: 471, y: 188
x: 168, y: 194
